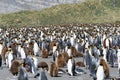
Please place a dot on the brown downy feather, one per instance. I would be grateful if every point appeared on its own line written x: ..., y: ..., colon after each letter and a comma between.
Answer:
x: 43, y: 65
x: 60, y: 61
x: 66, y: 57
x: 4, y: 50
x: 14, y: 67
x: 74, y: 51
x: 44, y: 53
x: 80, y: 64
x: 53, y: 70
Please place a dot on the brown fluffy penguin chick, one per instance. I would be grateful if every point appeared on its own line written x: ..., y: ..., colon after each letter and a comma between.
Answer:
x: 53, y: 70
x: 30, y: 48
x: 60, y: 62
x: 80, y: 64
x: 44, y: 53
x: 14, y: 67
x: 4, y: 50
x: 43, y: 65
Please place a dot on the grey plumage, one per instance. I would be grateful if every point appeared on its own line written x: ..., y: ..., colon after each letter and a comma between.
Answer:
x: 22, y: 74
x: 41, y: 74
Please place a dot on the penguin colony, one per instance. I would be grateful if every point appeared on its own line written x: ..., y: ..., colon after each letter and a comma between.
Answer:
x: 97, y: 45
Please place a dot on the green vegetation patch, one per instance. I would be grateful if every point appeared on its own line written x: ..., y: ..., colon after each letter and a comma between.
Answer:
x: 90, y: 11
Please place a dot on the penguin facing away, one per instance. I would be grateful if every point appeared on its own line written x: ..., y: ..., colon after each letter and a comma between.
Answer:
x: 43, y: 65
x: 22, y: 74
x: 71, y: 66
x: 60, y: 61
x: 14, y: 67
x: 44, y: 53
x: 53, y: 70
x: 42, y: 75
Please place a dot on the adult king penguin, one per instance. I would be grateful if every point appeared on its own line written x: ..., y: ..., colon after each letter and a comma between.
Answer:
x: 71, y: 66
x: 22, y: 74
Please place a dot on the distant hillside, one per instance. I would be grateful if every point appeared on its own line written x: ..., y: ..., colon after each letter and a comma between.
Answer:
x: 8, y: 6
x: 90, y: 11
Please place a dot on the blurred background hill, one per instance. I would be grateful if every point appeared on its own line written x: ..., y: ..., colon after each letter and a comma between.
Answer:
x: 7, y: 6
x: 85, y: 11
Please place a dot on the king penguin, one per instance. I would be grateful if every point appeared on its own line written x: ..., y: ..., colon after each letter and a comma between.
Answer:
x: 36, y: 49
x: 100, y: 72
x: 10, y: 57
x: 22, y: 74
x: 71, y: 66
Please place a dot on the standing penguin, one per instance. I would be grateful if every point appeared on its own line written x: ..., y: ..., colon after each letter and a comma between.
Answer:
x: 36, y: 49
x: 22, y: 74
x: 55, y: 51
x: 14, y: 67
x: 22, y: 52
x: 71, y: 66
x: 35, y: 61
x: 118, y: 56
x: 53, y: 70
x: 10, y: 57
x: 100, y: 72
x: 32, y: 63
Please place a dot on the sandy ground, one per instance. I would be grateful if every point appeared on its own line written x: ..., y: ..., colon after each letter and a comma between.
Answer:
x: 6, y: 75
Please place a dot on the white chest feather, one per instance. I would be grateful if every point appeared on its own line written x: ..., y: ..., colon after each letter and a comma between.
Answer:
x: 36, y: 47
x: 118, y: 55
x: 35, y: 61
x: 54, y: 48
x: 72, y: 41
x: 10, y: 58
x: 69, y: 66
x: 19, y: 49
x: 107, y: 42
x: 105, y: 54
x: 100, y: 73
x: 69, y: 51
x: 1, y: 47
x: 22, y: 52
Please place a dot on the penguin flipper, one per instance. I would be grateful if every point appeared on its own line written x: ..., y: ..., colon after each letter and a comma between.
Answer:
x: 79, y: 71
x: 60, y: 71
x: 36, y: 75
